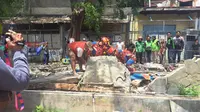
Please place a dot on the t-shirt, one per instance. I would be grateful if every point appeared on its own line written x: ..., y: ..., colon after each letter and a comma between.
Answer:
x: 79, y: 52
x: 178, y: 42
x: 120, y: 45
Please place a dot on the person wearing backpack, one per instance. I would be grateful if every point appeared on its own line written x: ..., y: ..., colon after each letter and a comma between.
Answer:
x: 179, y: 45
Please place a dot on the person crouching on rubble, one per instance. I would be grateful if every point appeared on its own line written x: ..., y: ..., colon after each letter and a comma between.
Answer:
x: 129, y: 61
x: 14, y: 78
x: 79, y: 51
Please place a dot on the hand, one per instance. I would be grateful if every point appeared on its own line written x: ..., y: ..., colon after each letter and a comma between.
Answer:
x: 16, y: 37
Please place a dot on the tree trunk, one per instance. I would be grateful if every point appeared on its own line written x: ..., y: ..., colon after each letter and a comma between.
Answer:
x: 76, y: 22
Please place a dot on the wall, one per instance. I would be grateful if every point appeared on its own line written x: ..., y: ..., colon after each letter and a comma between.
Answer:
x: 61, y: 7
x: 111, y: 30
x: 181, y: 21
x: 101, y: 102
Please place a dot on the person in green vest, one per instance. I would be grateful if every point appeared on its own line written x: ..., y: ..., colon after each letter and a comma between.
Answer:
x: 155, y: 49
x: 148, y: 45
x: 139, y: 50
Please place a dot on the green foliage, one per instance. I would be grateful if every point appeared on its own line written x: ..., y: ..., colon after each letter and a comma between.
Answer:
x: 189, y: 91
x: 94, y: 10
x: 93, y: 14
x: 40, y: 108
x: 10, y: 7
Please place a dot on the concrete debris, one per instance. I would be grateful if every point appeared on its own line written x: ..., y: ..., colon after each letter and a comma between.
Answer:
x: 39, y: 70
x: 154, y: 67
x: 187, y: 75
x: 106, y: 69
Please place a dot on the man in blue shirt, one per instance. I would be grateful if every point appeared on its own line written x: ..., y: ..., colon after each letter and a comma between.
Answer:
x: 14, y: 78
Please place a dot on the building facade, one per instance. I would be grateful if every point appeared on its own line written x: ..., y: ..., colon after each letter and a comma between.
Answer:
x: 49, y: 20
x: 158, y: 17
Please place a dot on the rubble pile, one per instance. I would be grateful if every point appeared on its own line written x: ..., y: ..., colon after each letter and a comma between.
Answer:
x: 106, y: 70
x: 186, y: 75
x: 40, y: 70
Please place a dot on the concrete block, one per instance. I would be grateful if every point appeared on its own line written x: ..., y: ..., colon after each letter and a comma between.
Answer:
x: 158, y: 85
x: 106, y: 69
x: 176, y: 108
x: 185, y: 105
x: 173, y: 89
x: 176, y: 75
x: 191, y: 66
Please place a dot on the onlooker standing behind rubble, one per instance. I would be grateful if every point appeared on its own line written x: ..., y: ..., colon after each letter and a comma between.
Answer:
x: 46, y: 53
x: 179, y: 45
x: 139, y: 49
x: 170, y: 46
x: 148, y: 48
x: 131, y: 47
x: 162, y: 50
x: 120, y: 45
x: 195, y: 47
x: 155, y: 49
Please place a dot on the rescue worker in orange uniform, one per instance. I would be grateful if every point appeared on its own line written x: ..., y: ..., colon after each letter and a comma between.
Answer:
x: 106, y: 44
x: 79, y: 51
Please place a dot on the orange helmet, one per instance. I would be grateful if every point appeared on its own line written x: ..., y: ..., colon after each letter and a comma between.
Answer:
x: 105, y: 39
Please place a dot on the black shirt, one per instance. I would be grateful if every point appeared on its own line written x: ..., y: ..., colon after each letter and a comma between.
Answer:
x: 130, y: 47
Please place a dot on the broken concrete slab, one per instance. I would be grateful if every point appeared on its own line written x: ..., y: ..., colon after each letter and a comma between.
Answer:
x: 176, y: 108
x: 106, y: 69
x: 186, y: 75
x: 159, y: 85
x: 191, y: 66
x: 154, y: 67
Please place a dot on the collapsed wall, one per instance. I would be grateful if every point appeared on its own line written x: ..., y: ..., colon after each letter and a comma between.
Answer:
x: 186, y: 75
x: 106, y: 70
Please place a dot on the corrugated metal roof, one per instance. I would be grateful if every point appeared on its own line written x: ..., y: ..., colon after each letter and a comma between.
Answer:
x: 43, y: 20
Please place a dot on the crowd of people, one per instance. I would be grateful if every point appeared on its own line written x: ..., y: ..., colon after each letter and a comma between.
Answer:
x: 154, y: 50
x: 146, y: 51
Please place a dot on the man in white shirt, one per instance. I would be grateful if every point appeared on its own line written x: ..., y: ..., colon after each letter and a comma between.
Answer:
x: 120, y: 45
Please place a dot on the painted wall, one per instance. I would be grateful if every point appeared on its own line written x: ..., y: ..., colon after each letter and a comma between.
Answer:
x: 161, y: 19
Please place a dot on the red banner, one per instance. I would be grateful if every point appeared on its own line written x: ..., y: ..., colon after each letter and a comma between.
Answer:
x: 33, y: 44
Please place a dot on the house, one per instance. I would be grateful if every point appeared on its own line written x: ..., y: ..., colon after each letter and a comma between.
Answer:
x: 48, y: 20
x: 158, y: 17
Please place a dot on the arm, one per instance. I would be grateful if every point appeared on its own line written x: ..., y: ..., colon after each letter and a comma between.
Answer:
x: 16, y: 78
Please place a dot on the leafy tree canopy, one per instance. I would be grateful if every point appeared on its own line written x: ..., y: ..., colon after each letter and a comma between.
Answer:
x: 94, y: 10
x: 10, y: 8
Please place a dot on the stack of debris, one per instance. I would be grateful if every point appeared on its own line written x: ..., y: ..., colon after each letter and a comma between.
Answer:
x: 39, y: 70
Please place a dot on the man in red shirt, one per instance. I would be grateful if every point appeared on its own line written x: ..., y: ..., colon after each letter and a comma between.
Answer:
x: 79, y: 51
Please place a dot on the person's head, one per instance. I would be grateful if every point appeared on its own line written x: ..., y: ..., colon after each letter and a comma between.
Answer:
x: 88, y: 46
x: 119, y: 40
x: 178, y: 33
x: 196, y: 41
x: 140, y: 38
x: 154, y: 37
x: 148, y: 38
x: 162, y: 41
x: 168, y: 34
x: 105, y: 40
